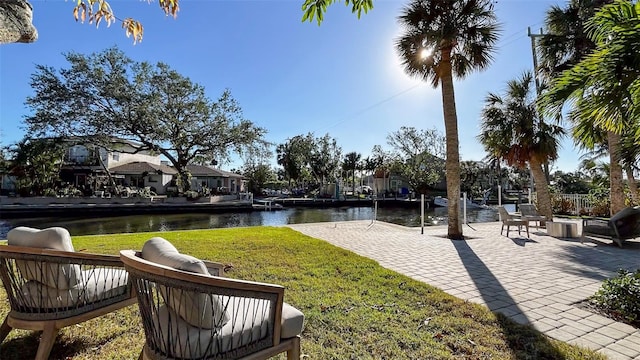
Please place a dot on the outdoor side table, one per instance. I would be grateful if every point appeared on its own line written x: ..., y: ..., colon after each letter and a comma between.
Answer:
x: 562, y: 229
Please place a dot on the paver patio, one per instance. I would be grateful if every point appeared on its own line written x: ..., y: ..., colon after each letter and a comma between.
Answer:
x: 537, y: 280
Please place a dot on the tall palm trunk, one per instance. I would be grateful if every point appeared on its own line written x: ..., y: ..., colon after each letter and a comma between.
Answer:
x: 542, y: 189
x: 452, y: 165
x: 615, y: 176
x: 633, y: 186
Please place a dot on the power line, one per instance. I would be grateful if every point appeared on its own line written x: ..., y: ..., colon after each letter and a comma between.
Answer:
x: 518, y: 36
x: 360, y: 112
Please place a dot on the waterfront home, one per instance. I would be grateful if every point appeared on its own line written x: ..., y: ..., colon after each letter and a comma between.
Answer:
x: 86, y: 168
x: 207, y: 179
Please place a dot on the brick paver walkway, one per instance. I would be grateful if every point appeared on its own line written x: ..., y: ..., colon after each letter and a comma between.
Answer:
x: 537, y: 280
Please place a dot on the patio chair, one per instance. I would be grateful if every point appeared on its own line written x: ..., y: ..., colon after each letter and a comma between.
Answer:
x: 509, y: 220
x: 623, y: 225
x: 529, y: 212
x: 189, y: 314
x: 49, y: 286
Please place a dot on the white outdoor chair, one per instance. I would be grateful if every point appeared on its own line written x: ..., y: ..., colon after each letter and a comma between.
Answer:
x: 50, y: 286
x: 189, y: 314
x: 509, y: 220
x: 529, y: 212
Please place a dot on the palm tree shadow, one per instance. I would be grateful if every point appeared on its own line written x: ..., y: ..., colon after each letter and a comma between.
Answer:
x: 599, y: 259
x: 525, y: 341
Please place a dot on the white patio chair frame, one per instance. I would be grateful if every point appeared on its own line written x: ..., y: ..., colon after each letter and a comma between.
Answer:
x: 529, y: 212
x: 511, y: 220
x: 173, y: 338
x: 17, y: 267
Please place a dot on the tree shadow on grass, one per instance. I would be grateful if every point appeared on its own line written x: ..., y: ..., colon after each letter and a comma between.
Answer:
x: 26, y: 347
x: 525, y: 341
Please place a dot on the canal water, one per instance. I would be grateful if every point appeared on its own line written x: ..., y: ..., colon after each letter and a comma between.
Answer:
x: 168, y: 222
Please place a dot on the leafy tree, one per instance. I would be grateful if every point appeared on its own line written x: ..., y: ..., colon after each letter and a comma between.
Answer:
x: 292, y: 157
x: 498, y: 175
x: 597, y: 172
x: 258, y: 175
x: 512, y: 130
x: 594, y: 140
x: 350, y: 163
x: 109, y: 99
x: 442, y: 39
x: 570, y: 183
x: 475, y: 178
x: 370, y: 164
x: 324, y: 158
x: 604, y: 86
x: 36, y: 165
x: 317, y: 8
x: 418, y: 156
x: 382, y: 161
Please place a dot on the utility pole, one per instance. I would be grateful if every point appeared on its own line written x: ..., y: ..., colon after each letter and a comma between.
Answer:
x: 535, y: 56
x: 538, y: 90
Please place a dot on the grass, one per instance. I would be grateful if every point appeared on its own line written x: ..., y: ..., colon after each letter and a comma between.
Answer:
x: 354, y: 308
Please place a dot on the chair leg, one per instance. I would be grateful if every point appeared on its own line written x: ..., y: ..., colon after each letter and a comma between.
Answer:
x: 46, y: 341
x: 508, y: 226
x: 527, y: 227
x: 5, y: 329
x: 502, y: 229
x: 294, y: 353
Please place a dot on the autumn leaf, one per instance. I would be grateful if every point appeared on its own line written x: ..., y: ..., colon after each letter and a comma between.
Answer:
x: 105, y: 12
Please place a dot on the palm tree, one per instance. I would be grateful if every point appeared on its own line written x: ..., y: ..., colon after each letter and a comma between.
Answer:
x: 443, y: 39
x: 604, y: 86
x: 564, y: 46
x: 593, y: 139
x: 566, y: 41
x: 350, y: 162
x: 513, y: 130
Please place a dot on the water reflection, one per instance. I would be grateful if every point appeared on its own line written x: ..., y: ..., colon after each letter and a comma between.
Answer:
x: 168, y: 222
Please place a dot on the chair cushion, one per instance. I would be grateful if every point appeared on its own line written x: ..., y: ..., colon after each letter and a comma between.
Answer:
x: 161, y: 251
x: 96, y: 285
x: 292, y: 321
x: 59, y: 276
x: 249, y: 324
x: 54, y: 238
x: 198, y: 309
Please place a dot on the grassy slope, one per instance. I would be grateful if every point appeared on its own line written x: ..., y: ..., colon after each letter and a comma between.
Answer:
x: 354, y: 308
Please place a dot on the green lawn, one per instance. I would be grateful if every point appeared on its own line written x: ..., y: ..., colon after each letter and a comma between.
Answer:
x: 354, y: 308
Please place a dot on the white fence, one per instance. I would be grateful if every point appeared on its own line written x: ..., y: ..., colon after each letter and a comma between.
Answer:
x: 581, y: 202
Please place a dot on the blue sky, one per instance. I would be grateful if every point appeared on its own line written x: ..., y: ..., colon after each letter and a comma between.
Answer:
x: 342, y: 78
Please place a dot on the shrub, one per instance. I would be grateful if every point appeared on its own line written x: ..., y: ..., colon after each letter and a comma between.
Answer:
x: 601, y: 208
x: 620, y: 296
x: 561, y: 205
x: 192, y: 195
x: 599, y: 199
